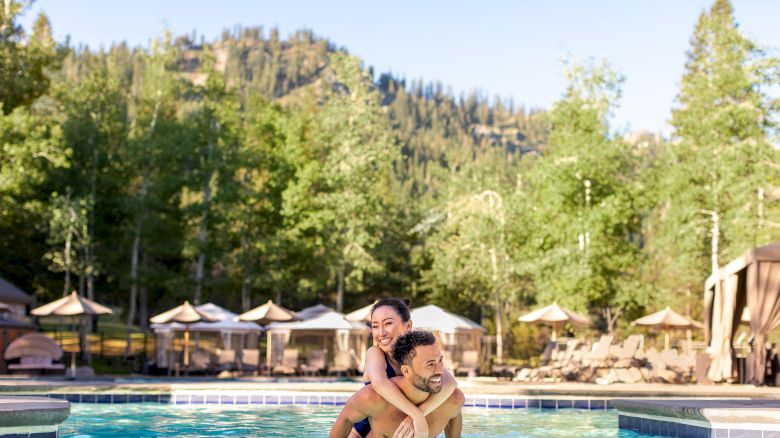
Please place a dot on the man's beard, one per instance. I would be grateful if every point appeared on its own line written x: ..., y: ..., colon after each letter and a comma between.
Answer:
x: 424, y: 384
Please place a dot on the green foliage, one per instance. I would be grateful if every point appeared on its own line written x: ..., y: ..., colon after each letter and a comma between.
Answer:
x: 24, y: 60
x: 721, y: 158
x: 578, y: 209
x: 258, y: 167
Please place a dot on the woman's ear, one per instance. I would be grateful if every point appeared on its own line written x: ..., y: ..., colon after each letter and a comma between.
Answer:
x: 408, y: 325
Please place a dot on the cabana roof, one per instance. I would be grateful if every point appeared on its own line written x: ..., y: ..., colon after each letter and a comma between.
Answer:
x: 432, y: 317
x: 331, y: 320
x: 313, y: 311
x: 226, y: 322
x: 362, y: 314
x: 12, y: 294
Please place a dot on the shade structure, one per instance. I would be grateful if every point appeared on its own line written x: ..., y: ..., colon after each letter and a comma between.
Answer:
x: 74, y: 306
x: 225, y: 321
x: 33, y: 344
x: 71, y: 305
x: 555, y: 315
x: 456, y: 333
x: 266, y: 314
x: 226, y: 326
x: 326, y: 321
x: 752, y: 281
x: 185, y: 314
x: 330, y: 330
x: 362, y: 314
x: 667, y: 319
x: 313, y: 311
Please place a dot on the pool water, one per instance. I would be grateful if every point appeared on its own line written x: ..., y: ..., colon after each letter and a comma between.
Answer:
x: 154, y: 420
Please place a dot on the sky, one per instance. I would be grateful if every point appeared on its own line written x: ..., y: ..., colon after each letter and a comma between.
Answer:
x: 510, y: 49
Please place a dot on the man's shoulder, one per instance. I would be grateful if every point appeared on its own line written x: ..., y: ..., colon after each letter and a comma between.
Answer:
x: 368, y: 397
x: 457, y: 398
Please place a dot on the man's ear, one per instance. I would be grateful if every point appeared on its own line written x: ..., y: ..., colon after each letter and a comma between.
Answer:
x: 405, y: 370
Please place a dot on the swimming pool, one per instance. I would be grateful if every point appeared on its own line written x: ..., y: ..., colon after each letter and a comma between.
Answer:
x: 165, y: 420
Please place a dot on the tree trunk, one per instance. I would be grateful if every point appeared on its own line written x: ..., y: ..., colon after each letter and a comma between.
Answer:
x: 203, y: 233
x: 133, y: 287
x: 143, y: 309
x: 497, y: 309
x: 245, y: 302
x: 66, y: 254
x: 91, y: 227
x: 340, y: 290
x: 203, y: 236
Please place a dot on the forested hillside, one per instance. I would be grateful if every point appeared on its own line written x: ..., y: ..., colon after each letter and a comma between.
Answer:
x: 259, y: 166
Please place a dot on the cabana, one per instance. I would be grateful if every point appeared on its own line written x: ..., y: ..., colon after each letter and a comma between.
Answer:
x: 752, y: 280
x: 456, y: 333
x: 329, y: 332
x: 313, y: 312
x: 231, y: 334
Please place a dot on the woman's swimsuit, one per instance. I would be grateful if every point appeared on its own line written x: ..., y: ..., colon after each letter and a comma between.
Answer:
x: 363, y: 427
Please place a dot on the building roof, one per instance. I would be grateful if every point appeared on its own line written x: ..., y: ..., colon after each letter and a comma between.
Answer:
x: 12, y: 294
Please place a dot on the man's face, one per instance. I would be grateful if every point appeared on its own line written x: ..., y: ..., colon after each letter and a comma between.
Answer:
x: 427, y: 368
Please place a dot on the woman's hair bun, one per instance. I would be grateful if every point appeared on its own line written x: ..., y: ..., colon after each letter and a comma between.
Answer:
x: 406, y: 301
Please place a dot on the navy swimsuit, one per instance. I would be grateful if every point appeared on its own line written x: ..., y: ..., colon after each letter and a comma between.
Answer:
x: 363, y: 427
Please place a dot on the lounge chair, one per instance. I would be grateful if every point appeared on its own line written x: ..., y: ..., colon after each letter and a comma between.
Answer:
x: 289, y: 363
x: 249, y: 360
x: 597, y: 359
x: 342, y: 363
x: 530, y: 374
x: 659, y: 371
x: 37, y: 353
x: 200, y: 361
x: 470, y: 364
x: 226, y: 360
x: 316, y: 363
x: 626, y: 354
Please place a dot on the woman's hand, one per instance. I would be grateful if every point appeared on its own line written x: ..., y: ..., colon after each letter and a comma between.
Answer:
x: 410, y: 428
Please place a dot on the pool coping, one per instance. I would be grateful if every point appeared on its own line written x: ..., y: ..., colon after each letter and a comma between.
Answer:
x: 698, y: 418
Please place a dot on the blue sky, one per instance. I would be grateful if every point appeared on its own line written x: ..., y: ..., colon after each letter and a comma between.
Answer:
x: 511, y: 49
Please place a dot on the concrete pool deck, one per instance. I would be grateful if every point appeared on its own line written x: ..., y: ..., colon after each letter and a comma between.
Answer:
x: 32, y: 386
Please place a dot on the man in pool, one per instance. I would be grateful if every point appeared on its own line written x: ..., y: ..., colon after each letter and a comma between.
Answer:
x: 421, y: 368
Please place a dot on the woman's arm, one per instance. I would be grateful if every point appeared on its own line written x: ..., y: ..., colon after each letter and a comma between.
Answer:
x: 448, y: 385
x: 376, y: 370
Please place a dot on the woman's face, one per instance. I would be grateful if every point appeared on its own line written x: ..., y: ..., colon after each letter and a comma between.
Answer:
x: 387, y: 326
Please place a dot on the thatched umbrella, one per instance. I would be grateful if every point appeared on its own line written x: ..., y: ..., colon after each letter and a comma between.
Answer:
x: 555, y: 316
x: 264, y: 315
x: 185, y: 314
x: 74, y: 306
x: 667, y: 319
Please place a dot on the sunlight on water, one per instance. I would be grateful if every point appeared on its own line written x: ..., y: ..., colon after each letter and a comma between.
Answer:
x: 153, y: 420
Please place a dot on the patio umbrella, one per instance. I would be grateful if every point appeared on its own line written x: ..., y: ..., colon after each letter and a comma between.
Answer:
x: 185, y: 314
x: 362, y: 314
x: 555, y: 315
x: 264, y: 315
x: 74, y: 306
x: 666, y: 319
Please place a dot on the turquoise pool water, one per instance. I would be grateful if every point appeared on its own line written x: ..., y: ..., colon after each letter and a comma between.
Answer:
x: 153, y: 420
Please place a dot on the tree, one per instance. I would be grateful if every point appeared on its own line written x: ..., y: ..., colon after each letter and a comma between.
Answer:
x: 334, y: 199
x: 579, y: 207
x: 24, y: 61
x: 153, y: 144
x: 212, y: 123
x: 718, y: 165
